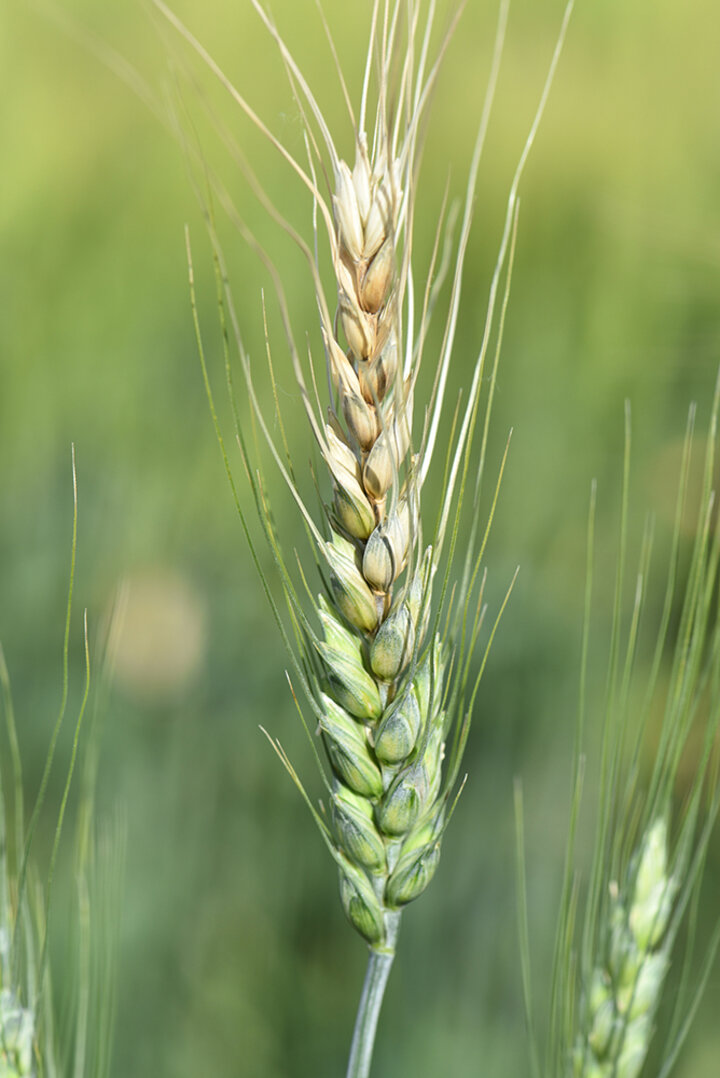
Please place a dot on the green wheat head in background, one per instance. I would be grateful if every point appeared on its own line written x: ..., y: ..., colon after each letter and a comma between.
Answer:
x: 617, y: 931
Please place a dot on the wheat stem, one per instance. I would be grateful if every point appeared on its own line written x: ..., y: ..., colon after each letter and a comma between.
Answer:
x: 376, y: 976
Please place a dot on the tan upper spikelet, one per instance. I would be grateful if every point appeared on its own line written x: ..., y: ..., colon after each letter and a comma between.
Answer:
x: 378, y: 421
x: 365, y: 206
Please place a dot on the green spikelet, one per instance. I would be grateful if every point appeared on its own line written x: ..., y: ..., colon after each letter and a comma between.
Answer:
x: 355, y: 827
x: 350, y: 682
x: 412, y: 875
x: 407, y: 797
x: 416, y: 865
x: 654, y: 893
x: 393, y: 645
x: 399, y: 728
x: 361, y: 904
x: 348, y: 750
x: 429, y: 683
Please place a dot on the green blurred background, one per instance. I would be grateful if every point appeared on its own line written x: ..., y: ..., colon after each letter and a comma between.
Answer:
x: 235, y: 956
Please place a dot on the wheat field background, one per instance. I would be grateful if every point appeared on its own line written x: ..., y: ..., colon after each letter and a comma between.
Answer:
x: 235, y: 956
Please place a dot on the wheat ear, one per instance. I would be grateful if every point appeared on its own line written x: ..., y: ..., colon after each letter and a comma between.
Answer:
x: 625, y: 990
x: 384, y: 660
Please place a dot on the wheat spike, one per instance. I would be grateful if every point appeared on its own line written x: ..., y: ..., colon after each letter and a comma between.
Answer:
x: 388, y: 675
x: 384, y: 733
x: 625, y: 989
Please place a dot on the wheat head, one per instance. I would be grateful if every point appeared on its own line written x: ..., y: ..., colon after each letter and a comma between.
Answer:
x: 624, y: 992
x: 384, y: 653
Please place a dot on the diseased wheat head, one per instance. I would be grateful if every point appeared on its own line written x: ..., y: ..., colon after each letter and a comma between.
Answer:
x: 381, y: 687
x: 385, y: 664
x: 385, y: 652
x: 371, y: 658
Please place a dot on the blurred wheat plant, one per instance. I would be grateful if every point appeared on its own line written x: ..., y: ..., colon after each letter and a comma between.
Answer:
x: 658, y: 800
x: 45, y: 1033
x: 385, y: 654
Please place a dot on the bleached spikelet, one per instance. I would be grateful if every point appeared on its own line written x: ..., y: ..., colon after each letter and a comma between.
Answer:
x: 352, y: 594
